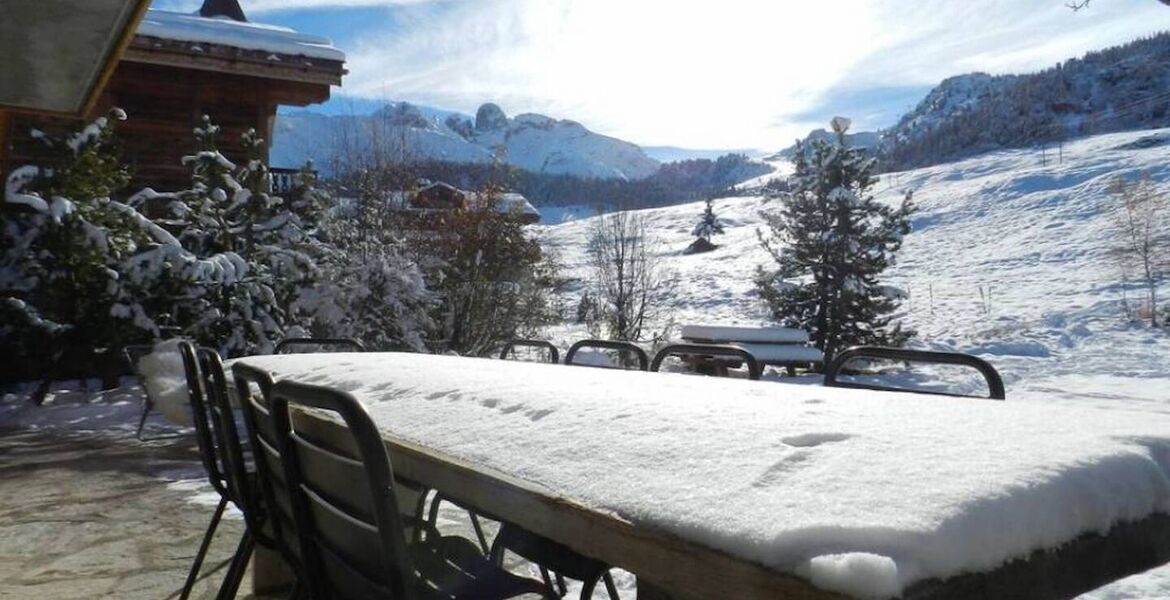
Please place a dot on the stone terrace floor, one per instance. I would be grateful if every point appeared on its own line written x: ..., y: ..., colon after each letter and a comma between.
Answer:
x: 86, y: 515
x: 89, y: 511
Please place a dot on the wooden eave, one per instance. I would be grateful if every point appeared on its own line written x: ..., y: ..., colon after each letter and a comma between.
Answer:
x: 230, y: 59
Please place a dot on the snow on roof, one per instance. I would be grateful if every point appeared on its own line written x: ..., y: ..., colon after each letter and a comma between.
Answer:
x: 513, y: 202
x: 221, y: 30
x: 860, y: 492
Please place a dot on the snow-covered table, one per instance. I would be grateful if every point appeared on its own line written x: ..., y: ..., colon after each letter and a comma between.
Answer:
x: 718, y: 488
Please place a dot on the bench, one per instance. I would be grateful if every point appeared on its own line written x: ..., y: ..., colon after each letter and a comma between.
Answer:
x: 775, y: 346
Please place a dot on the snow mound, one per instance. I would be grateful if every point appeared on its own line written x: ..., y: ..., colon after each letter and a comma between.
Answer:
x: 166, y: 383
x: 857, y: 574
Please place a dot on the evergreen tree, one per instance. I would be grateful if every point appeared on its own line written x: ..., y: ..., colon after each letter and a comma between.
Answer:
x: 709, y: 224
x: 76, y: 266
x: 494, y: 282
x: 247, y: 268
x: 831, y: 241
x: 369, y: 289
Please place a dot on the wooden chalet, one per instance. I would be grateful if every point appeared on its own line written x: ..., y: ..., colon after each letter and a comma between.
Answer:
x: 434, y: 198
x: 179, y: 67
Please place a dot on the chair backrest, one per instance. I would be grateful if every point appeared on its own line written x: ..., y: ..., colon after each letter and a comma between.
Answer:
x: 833, y: 370
x: 343, y: 495
x: 643, y: 358
x: 134, y: 353
x: 266, y: 456
x: 554, y: 355
x: 289, y: 345
x: 228, y: 441
x: 213, y: 460
x: 709, y: 350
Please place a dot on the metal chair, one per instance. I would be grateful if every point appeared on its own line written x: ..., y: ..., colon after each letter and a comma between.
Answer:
x: 241, y: 483
x: 134, y: 353
x: 554, y: 355
x: 832, y: 372
x: 553, y: 560
x: 345, y: 506
x: 349, y: 344
x: 269, y: 465
x: 710, y: 352
x: 643, y: 359
x: 215, y: 463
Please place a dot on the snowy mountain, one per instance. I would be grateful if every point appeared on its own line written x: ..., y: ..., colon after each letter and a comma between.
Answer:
x: 529, y: 141
x: 1117, y: 89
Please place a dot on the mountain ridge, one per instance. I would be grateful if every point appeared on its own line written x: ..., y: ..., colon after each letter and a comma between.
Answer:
x: 528, y: 141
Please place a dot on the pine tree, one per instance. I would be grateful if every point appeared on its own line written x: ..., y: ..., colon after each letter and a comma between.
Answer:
x: 708, y: 225
x: 247, y: 269
x: 831, y: 241
x: 77, y: 266
x: 369, y: 289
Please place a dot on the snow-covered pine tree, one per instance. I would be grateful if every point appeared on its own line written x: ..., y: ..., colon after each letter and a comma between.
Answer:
x: 831, y: 241
x: 369, y: 289
x: 73, y: 274
x: 242, y: 239
x: 708, y: 225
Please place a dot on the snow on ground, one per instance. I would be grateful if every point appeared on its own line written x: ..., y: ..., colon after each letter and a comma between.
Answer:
x: 1031, y: 235
x: 862, y: 493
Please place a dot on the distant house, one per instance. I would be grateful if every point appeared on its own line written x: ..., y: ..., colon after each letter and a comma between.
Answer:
x: 180, y: 66
x: 441, y: 196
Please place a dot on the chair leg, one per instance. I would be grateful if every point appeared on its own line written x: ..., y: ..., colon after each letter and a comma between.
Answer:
x: 235, y: 574
x: 587, y: 587
x: 483, y: 545
x: 561, y: 586
x: 146, y: 406
x: 548, y: 582
x: 420, y: 508
x: 590, y: 584
x: 193, y: 574
x: 609, y: 586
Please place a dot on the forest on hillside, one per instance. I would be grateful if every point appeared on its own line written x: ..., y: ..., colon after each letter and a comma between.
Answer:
x: 1116, y: 89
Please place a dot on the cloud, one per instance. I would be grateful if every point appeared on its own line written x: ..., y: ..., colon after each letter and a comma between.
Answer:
x: 726, y: 73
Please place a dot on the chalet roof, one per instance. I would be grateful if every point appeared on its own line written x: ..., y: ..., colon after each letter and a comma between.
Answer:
x: 224, y: 45
x: 225, y: 31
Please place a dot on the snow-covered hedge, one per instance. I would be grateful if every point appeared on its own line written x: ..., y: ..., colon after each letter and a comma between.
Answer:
x: 224, y: 263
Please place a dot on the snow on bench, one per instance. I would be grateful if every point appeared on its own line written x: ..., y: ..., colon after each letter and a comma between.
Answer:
x: 777, y: 346
x: 776, y: 354
x: 763, y: 335
x: 860, y: 492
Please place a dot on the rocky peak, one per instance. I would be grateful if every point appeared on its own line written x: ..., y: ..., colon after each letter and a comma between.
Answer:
x: 490, y: 117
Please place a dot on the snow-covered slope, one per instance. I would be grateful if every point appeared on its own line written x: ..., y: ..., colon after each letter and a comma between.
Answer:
x: 1028, y: 238
x: 533, y: 142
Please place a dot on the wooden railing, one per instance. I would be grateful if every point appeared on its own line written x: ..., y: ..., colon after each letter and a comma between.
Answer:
x: 284, y: 180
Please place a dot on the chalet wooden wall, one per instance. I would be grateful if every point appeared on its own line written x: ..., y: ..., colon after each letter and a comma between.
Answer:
x: 164, y: 104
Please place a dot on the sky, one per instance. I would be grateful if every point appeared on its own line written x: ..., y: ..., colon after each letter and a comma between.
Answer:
x: 707, y: 74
